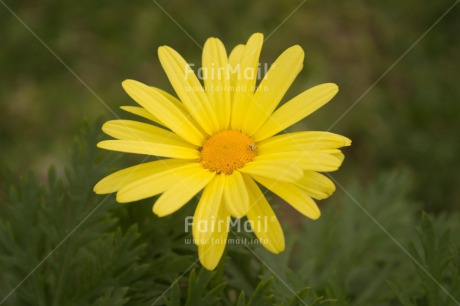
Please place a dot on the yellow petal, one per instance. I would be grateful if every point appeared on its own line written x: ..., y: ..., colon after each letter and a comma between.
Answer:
x: 141, y: 112
x: 272, y: 88
x: 339, y: 155
x: 302, y: 141
x: 275, y: 168
x: 316, y: 185
x: 293, y: 195
x: 236, y: 55
x: 211, y: 253
x: 246, y: 80
x: 296, y: 109
x: 124, y: 177
x: 235, y: 195
x: 188, y: 88
x: 263, y: 220
x: 150, y: 148
x: 156, y: 182
x: 178, y: 195
x: 322, y: 160
x: 205, y: 220
x: 171, y: 115
x: 217, y: 80
x: 139, y: 131
x: 234, y: 61
x: 171, y: 99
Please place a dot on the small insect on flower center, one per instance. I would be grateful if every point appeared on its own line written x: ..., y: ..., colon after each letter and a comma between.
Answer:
x: 227, y: 151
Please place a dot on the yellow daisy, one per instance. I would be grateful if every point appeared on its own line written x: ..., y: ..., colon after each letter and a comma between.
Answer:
x: 226, y: 140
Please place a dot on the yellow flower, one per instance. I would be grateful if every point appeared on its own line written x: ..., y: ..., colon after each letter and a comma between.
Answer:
x: 223, y: 139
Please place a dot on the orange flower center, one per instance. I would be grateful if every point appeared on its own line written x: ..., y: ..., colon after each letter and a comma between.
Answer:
x: 227, y: 151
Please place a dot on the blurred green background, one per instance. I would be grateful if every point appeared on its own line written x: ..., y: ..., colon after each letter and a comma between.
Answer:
x: 398, y: 102
x: 408, y: 121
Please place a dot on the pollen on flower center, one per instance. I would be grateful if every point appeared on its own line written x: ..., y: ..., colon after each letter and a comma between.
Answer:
x: 227, y: 151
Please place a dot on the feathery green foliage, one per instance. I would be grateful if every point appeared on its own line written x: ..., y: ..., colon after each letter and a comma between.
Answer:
x: 62, y: 245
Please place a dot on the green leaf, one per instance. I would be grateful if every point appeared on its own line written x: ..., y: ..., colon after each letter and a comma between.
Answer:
x: 262, y: 295
x: 241, y: 299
